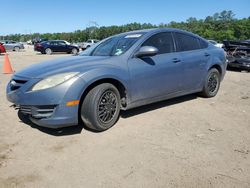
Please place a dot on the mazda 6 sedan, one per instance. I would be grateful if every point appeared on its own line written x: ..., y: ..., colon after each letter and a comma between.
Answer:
x: 118, y: 73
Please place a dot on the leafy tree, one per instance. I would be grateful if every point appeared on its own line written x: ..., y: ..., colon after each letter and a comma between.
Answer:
x: 220, y: 26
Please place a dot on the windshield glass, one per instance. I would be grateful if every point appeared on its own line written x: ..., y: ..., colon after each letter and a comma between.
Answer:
x: 113, y: 46
x: 67, y: 42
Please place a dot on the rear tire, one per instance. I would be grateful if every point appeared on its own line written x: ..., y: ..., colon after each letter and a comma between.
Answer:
x: 48, y: 51
x: 16, y: 49
x: 212, y: 83
x: 101, y: 107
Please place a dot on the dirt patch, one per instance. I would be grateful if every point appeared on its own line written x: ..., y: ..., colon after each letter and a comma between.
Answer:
x: 19, y: 181
x: 5, y: 151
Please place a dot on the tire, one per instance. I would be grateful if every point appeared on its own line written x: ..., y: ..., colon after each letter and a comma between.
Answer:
x: 74, y: 51
x: 212, y: 83
x: 16, y: 49
x: 48, y: 51
x: 101, y: 107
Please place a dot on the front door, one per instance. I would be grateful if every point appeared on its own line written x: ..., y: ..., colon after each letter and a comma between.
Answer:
x: 158, y: 75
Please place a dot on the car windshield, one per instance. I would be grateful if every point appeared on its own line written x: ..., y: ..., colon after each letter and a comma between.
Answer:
x: 113, y: 46
x: 67, y: 42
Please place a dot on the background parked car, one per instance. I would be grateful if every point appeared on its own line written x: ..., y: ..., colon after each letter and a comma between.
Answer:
x: 38, y: 40
x: 238, y: 54
x: 2, y: 48
x: 29, y: 42
x: 12, y: 45
x: 219, y: 45
x: 87, y: 44
x: 48, y: 47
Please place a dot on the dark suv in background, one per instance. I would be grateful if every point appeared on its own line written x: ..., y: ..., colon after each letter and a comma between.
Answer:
x: 50, y: 46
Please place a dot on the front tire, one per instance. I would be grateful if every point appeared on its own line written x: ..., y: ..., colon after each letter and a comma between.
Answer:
x: 74, y: 51
x: 101, y: 107
x: 212, y: 83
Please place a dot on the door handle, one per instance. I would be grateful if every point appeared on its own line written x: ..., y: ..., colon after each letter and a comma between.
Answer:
x: 207, y: 54
x: 176, y: 60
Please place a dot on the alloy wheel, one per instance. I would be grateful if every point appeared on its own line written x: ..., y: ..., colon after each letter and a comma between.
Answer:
x: 107, y: 106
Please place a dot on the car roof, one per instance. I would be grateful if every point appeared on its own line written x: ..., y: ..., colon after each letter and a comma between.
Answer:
x: 155, y: 30
x: 55, y: 41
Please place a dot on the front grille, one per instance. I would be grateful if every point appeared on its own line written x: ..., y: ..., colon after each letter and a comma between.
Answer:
x: 25, y: 109
x: 16, y: 84
x: 38, y: 112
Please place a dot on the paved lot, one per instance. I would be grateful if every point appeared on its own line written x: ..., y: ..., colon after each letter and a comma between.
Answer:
x: 185, y: 142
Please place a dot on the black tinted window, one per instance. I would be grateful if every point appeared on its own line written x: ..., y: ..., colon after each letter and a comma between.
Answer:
x: 61, y: 43
x: 162, y: 41
x: 53, y: 43
x: 203, y: 44
x: 186, y: 42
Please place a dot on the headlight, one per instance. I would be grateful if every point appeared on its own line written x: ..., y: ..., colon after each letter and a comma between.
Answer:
x: 53, y: 81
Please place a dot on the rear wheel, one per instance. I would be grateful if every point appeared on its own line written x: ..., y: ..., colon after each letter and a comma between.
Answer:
x: 48, y: 51
x: 212, y: 83
x: 16, y: 49
x: 101, y: 107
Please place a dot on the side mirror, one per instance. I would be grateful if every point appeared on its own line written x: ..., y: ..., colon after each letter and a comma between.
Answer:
x: 147, y: 51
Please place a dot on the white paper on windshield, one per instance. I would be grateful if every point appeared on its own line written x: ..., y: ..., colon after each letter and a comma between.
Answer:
x: 133, y: 36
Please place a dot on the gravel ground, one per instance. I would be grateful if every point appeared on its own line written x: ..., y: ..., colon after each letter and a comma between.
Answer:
x: 184, y: 142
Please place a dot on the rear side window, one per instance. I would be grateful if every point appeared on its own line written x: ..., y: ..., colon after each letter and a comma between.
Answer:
x: 62, y: 43
x: 162, y: 41
x: 52, y: 43
x: 186, y: 42
x: 203, y: 44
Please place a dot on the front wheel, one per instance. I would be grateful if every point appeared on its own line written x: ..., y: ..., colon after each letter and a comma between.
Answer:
x: 212, y: 83
x: 74, y: 51
x: 101, y: 107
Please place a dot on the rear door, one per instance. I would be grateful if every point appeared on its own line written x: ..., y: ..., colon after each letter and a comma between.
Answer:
x: 53, y: 45
x: 158, y: 75
x: 194, y: 59
x: 62, y: 46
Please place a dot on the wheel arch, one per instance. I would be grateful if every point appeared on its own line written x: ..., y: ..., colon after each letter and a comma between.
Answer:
x: 117, y: 83
x: 219, y: 68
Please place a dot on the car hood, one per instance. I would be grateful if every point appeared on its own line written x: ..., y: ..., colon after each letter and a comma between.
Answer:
x: 68, y: 64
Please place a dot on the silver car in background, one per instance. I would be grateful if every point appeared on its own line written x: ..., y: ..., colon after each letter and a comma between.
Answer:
x: 12, y: 45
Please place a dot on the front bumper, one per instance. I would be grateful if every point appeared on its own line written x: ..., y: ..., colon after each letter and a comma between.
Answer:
x: 47, y: 108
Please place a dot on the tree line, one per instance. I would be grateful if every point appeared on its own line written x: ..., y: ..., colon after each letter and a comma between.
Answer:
x: 220, y: 26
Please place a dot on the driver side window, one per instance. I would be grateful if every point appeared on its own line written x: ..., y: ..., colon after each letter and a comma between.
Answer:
x: 162, y: 41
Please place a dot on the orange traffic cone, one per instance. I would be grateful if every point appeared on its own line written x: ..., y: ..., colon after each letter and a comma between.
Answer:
x: 7, y: 69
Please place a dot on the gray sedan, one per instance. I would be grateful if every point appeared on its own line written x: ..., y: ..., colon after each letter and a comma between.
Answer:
x: 119, y: 73
x: 12, y: 45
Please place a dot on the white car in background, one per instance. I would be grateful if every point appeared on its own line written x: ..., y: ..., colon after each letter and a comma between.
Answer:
x: 88, y: 43
x: 219, y: 45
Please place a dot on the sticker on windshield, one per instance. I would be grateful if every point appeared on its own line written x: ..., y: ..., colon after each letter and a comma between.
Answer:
x: 133, y: 36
